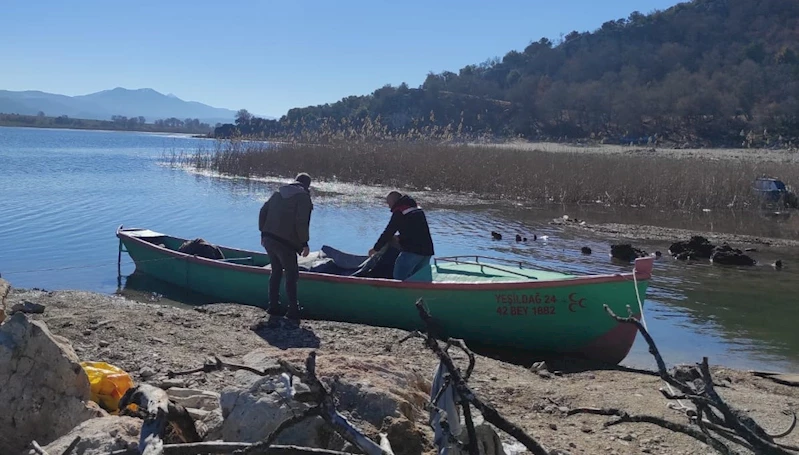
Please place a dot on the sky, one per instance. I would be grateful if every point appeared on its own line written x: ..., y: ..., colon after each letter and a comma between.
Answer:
x: 270, y: 56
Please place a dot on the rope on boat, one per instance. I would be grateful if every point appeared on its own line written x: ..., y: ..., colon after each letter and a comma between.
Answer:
x: 680, y: 406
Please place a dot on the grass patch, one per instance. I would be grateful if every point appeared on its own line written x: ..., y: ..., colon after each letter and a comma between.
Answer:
x: 552, y: 176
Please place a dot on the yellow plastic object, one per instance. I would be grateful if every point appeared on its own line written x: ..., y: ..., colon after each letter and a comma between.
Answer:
x: 108, y: 384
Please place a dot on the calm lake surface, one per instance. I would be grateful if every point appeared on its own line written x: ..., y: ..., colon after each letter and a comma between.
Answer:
x: 64, y: 193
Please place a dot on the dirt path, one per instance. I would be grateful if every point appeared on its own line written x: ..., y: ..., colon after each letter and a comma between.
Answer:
x: 147, y: 340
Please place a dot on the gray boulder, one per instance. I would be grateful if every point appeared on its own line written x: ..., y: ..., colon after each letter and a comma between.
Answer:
x: 44, y: 389
x: 204, y: 408
x: 100, y: 436
x: 376, y: 394
x: 254, y: 406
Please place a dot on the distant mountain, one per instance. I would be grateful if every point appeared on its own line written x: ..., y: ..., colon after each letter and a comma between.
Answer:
x: 144, y: 102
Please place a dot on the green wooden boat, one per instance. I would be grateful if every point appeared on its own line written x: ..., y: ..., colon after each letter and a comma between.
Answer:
x: 491, y: 302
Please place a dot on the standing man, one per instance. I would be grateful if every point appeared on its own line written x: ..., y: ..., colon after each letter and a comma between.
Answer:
x: 284, y: 221
x: 415, y: 242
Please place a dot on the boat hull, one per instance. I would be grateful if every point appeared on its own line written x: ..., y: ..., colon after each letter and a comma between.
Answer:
x: 559, y: 316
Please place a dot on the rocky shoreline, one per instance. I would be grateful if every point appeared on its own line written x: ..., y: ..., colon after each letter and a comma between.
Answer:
x: 381, y: 386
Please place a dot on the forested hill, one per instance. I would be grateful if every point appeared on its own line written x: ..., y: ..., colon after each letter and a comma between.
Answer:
x: 698, y: 72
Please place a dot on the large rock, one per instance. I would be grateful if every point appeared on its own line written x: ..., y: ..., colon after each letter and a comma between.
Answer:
x: 728, y: 255
x: 43, y: 388
x: 382, y: 393
x: 626, y: 252
x: 5, y: 288
x: 204, y: 408
x: 697, y: 247
x: 377, y: 394
x: 100, y: 436
x: 255, y: 406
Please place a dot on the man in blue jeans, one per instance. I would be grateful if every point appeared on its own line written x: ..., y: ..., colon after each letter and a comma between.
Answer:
x: 415, y: 243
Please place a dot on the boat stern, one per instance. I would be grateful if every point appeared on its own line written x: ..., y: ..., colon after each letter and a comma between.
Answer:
x: 643, y: 267
x: 614, y: 345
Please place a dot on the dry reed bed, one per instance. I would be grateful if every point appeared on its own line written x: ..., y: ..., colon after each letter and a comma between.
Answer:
x: 653, y: 181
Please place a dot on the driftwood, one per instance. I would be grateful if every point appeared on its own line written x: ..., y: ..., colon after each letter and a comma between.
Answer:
x: 71, y: 446
x: 467, y: 396
x: 232, y: 447
x: 712, y: 419
x: 158, y: 412
x: 216, y: 364
x: 40, y: 451
x: 789, y: 379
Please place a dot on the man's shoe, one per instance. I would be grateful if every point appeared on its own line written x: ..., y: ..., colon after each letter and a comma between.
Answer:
x: 293, y: 313
x: 292, y: 324
x: 274, y: 322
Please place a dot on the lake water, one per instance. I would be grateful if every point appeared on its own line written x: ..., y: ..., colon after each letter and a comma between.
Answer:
x: 65, y: 192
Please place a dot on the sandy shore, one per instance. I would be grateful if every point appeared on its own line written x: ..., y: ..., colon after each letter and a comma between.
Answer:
x: 148, y: 340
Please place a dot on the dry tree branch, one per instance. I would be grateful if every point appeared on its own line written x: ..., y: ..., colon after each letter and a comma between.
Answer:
x: 411, y: 335
x: 712, y: 441
x: 217, y: 447
x: 624, y: 417
x: 71, y: 446
x: 753, y: 433
x: 728, y: 434
x: 38, y: 449
x: 216, y: 364
x: 462, y: 345
x: 790, y: 428
x: 489, y: 413
x: 653, y: 349
x: 712, y: 412
x: 284, y: 425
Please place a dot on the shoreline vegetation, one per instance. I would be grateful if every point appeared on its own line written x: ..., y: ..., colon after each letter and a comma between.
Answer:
x: 615, y: 176
x: 119, y: 123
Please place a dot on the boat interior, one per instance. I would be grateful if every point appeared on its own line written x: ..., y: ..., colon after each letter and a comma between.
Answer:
x: 330, y: 261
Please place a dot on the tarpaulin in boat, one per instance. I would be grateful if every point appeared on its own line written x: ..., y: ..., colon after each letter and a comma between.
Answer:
x: 335, y: 262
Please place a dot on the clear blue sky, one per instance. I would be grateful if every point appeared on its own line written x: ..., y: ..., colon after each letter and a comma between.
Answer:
x: 270, y: 56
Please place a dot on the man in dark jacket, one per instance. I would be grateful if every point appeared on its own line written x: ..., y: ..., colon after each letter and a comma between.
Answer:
x: 414, y: 241
x: 284, y: 221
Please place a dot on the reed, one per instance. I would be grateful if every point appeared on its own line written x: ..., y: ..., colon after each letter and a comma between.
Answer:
x: 505, y: 173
